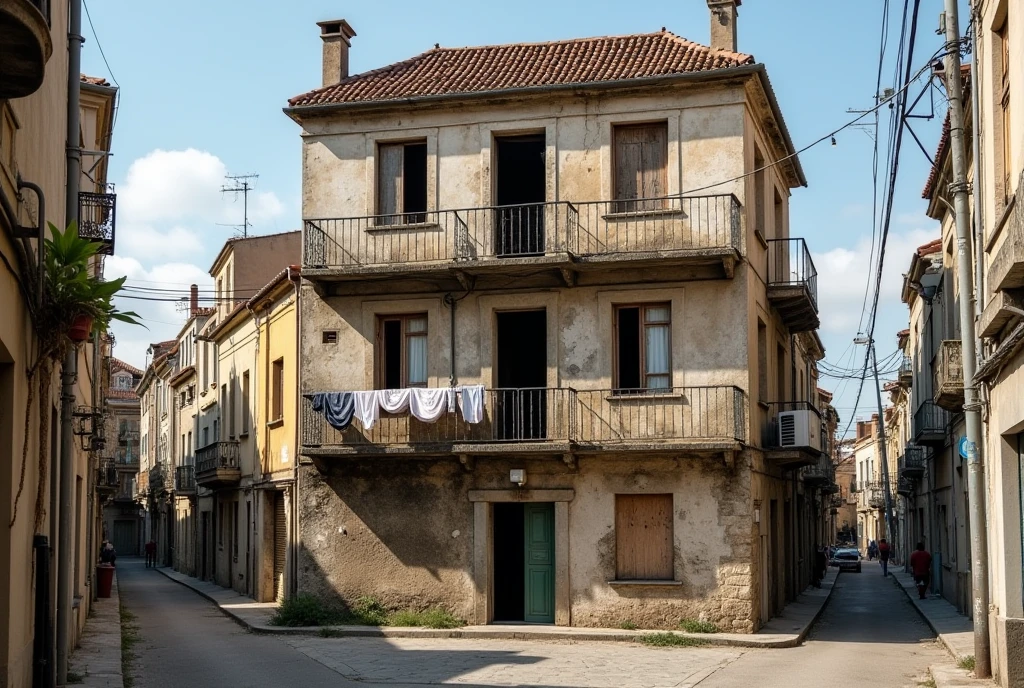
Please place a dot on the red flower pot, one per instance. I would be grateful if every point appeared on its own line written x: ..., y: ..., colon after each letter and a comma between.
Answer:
x: 81, y: 326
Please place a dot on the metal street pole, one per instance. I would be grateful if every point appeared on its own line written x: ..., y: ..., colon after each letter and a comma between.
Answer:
x: 958, y: 188
x: 889, y: 522
x: 67, y: 519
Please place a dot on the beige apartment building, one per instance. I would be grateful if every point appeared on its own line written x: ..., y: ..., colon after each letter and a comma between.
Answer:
x: 33, y: 133
x: 123, y: 523
x: 558, y: 282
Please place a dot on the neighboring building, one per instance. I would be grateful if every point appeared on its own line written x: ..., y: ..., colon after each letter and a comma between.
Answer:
x: 33, y: 137
x: 516, y: 218
x: 156, y: 477
x: 122, y: 516
x: 867, y: 459
x: 844, y: 516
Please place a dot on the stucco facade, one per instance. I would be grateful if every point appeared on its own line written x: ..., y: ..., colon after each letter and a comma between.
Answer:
x: 421, y: 514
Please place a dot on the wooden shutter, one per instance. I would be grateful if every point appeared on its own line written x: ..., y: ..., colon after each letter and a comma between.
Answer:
x: 641, y: 155
x: 390, y: 162
x: 643, y: 537
x: 280, y: 546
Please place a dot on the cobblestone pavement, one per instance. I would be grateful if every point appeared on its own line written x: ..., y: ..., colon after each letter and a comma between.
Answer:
x: 869, y: 635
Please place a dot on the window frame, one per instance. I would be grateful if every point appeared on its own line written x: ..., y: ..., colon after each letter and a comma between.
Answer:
x: 277, y: 390
x: 621, y: 574
x: 246, y: 400
x: 640, y: 203
x: 380, y: 349
x: 400, y: 216
x: 641, y: 333
x: 1006, y: 120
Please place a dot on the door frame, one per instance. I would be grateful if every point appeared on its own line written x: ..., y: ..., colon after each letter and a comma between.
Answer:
x: 483, y: 548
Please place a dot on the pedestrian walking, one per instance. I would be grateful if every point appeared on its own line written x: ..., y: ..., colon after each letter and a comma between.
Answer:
x: 150, y: 554
x: 921, y: 567
x: 883, y: 555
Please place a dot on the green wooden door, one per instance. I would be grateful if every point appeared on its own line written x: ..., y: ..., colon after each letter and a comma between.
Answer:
x: 539, y: 582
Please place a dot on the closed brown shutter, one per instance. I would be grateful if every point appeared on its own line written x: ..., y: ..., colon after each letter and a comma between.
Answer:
x: 643, y: 537
x: 280, y: 546
x: 641, y: 155
x: 390, y: 161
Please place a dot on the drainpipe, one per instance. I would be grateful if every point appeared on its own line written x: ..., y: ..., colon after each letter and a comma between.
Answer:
x: 979, y: 217
x: 69, y: 372
x: 972, y: 409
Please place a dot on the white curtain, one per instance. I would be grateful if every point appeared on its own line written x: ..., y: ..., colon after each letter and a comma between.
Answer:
x: 416, y: 366
x: 657, y: 347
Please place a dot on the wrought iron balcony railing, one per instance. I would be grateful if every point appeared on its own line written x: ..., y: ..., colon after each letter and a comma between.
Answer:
x: 949, y: 376
x: 821, y: 473
x: 930, y: 423
x: 906, y: 373
x: 218, y: 464
x: 159, y: 479
x: 793, y: 283
x: 597, y: 230
x: 106, y: 476
x: 185, y: 479
x: 97, y: 219
x: 912, y: 462
x: 515, y: 419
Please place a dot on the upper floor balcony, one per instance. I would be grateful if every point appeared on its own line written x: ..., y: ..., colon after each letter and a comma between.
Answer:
x: 142, y: 485
x: 551, y: 421
x: 793, y: 284
x: 822, y: 473
x: 160, y: 479
x: 871, y: 495
x: 792, y: 434
x: 930, y: 424
x: 126, y: 459
x: 217, y: 465
x: 185, y: 480
x: 949, y: 375
x: 1006, y: 269
x: 906, y: 372
x: 25, y: 45
x: 574, y: 241
x: 912, y: 463
x: 97, y: 219
x: 107, y: 479
x: 905, y: 485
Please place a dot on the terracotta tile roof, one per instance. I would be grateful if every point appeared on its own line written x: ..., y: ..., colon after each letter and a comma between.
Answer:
x: 122, y: 394
x: 456, y: 71
x: 934, y: 246
x: 940, y: 153
x: 94, y: 80
x: 903, y: 333
x: 118, y: 364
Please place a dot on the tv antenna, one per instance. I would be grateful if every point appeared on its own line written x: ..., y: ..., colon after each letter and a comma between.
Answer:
x: 242, y: 183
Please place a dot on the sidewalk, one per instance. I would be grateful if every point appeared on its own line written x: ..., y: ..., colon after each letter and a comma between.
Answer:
x: 954, y: 631
x: 98, y: 657
x: 786, y: 630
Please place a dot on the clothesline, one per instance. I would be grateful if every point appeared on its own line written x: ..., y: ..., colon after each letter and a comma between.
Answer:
x: 427, y: 404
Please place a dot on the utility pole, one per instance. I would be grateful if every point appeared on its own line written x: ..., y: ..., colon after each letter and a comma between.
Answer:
x: 889, y: 520
x: 69, y: 371
x: 972, y: 409
x: 240, y: 184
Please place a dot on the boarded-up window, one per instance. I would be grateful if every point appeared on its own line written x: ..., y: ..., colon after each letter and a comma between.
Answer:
x: 401, y: 183
x: 643, y: 537
x: 402, y: 351
x: 643, y: 347
x: 641, y: 155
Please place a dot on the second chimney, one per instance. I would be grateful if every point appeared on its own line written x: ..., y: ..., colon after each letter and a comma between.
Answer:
x: 193, y: 304
x: 335, y: 35
x: 723, y: 23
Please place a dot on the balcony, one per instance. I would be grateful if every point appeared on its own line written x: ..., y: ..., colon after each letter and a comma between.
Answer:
x: 821, y: 474
x: 142, y: 485
x: 1006, y: 270
x: 572, y: 240
x: 873, y: 495
x: 792, y: 434
x: 107, y: 479
x: 126, y: 459
x: 929, y: 424
x: 793, y: 284
x: 96, y: 219
x: 25, y: 45
x: 159, y: 479
x: 217, y: 465
x: 128, y: 436
x: 185, y: 480
x: 906, y: 372
x: 912, y: 461
x: 949, y: 376
x: 551, y: 421
x: 905, y: 485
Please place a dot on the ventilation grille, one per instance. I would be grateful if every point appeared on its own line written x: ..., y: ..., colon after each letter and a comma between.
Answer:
x: 787, y: 430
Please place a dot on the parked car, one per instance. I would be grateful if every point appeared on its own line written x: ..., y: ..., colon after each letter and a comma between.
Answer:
x: 847, y: 559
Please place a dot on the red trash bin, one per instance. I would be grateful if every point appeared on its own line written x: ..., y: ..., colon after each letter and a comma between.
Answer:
x: 104, y: 579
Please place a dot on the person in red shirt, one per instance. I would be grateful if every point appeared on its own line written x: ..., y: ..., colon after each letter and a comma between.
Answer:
x: 884, y: 550
x: 921, y: 567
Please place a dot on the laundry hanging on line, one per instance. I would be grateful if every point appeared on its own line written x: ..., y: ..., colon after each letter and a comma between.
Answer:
x: 427, y: 404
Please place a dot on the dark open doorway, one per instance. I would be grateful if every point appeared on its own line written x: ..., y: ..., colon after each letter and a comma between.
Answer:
x: 522, y: 375
x: 520, y: 188
x: 524, y: 557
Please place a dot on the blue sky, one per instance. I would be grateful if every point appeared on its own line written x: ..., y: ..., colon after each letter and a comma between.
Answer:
x: 203, y: 83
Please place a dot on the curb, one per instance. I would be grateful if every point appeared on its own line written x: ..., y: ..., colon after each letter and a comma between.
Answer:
x: 709, y: 639
x: 949, y: 648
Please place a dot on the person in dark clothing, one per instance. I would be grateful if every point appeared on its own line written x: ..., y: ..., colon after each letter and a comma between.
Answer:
x: 883, y: 555
x: 150, y: 554
x: 921, y: 567
x: 107, y: 553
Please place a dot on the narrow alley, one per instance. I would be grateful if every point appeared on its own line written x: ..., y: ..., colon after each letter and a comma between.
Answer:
x: 868, y: 634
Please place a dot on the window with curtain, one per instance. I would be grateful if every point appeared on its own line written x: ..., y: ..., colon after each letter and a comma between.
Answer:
x: 643, y: 347
x: 402, y: 351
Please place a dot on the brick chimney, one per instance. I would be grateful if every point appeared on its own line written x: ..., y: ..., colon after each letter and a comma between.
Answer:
x: 193, y: 302
x: 335, y: 35
x: 723, y: 23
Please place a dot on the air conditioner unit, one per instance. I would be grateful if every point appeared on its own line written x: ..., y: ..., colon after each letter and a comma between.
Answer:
x: 799, y: 429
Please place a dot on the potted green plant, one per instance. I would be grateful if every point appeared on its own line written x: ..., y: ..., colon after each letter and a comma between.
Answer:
x: 76, y: 302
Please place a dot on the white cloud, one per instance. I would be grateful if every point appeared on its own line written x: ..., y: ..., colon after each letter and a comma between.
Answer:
x: 170, y: 206
x: 843, y: 274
